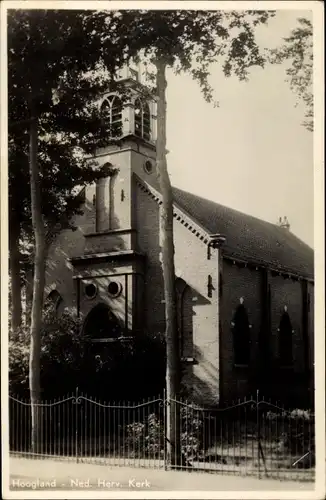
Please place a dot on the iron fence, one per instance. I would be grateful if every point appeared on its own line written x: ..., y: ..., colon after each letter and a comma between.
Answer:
x: 251, y: 437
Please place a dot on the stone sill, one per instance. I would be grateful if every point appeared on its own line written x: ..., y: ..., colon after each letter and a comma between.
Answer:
x: 111, y: 340
x: 109, y: 232
x: 106, y: 256
x: 189, y: 361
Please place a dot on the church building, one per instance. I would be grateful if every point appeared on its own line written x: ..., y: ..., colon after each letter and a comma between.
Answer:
x: 245, y: 287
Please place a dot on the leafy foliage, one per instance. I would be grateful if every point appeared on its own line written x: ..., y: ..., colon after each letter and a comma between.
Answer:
x: 73, y: 70
x: 191, y: 435
x: 62, y: 350
x: 146, y: 437
x: 191, y: 40
x: 69, y: 360
x: 65, y: 95
x: 297, y: 51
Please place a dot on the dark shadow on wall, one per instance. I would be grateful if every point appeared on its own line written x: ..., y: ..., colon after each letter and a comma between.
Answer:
x: 202, y: 377
x: 198, y: 375
x: 200, y: 380
x: 146, y: 218
x: 187, y: 299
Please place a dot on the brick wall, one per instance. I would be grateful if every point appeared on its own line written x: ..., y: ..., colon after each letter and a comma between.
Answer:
x: 59, y: 271
x: 287, y: 292
x: 117, y: 195
x: 238, y: 382
x: 147, y: 226
x: 238, y: 282
x: 191, y: 264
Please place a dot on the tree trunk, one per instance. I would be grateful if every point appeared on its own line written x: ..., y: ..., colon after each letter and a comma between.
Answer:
x: 29, y: 278
x: 14, y: 263
x: 38, y: 285
x: 167, y: 248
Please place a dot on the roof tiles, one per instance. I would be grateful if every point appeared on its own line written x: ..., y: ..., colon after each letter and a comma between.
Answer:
x: 249, y: 238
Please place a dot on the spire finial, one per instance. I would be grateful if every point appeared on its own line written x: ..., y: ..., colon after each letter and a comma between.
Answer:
x: 283, y: 222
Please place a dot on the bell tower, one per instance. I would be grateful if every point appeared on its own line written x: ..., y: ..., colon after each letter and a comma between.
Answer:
x: 135, y: 113
x: 110, y: 256
x: 130, y: 118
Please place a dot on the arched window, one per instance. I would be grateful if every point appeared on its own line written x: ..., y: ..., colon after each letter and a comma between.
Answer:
x: 111, y: 112
x: 116, y: 123
x: 54, y: 300
x: 138, y: 118
x: 285, y: 340
x: 101, y: 325
x: 142, y: 120
x: 241, y: 336
x: 146, y: 122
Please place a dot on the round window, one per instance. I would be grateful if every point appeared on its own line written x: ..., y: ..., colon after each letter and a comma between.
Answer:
x: 90, y: 291
x: 148, y: 167
x: 114, y: 289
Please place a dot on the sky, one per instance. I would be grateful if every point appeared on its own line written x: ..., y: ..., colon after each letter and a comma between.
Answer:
x: 252, y: 152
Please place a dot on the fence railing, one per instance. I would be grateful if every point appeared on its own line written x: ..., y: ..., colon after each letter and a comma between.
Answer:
x: 251, y: 437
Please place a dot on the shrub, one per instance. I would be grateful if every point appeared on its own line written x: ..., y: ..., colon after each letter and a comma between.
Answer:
x: 62, y: 352
x: 147, y: 438
x: 298, y: 432
x: 111, y: 372
x: 192, y: 431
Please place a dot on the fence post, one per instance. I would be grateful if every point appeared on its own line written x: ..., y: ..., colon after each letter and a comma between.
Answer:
x: 164, y: 428
x: 258, y: 432
x: 76, y: 424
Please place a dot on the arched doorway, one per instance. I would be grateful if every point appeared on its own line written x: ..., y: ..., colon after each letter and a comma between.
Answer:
x: 104, y: 353
x: 101, y: 325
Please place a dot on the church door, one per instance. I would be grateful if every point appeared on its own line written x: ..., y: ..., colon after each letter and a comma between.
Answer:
x: 101, y: 325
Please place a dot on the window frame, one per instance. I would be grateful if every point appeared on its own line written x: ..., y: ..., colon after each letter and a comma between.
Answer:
x: 288, y: 363
x: 53, y: 299
x: 110, y: 102
x: 143, y: 119
x: 235, y: 350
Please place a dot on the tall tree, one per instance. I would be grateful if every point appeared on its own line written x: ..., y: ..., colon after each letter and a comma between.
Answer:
x: 53, y: 84
x: 296, y: 53
x: 186, y: 41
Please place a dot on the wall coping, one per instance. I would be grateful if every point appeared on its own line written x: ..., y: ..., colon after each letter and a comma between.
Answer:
x: 123, y: 254
x: 195, y: 228
x: 267, y: 267
x: 109, y: 232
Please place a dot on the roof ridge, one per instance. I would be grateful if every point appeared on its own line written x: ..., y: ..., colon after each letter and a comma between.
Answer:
x: 224, y: 206
x: 239, y: 212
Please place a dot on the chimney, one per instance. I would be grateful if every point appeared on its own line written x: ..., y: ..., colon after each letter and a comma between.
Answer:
x: 283, y: 222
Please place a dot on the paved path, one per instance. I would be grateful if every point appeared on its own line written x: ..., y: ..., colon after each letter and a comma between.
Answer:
x: 27, y: 474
